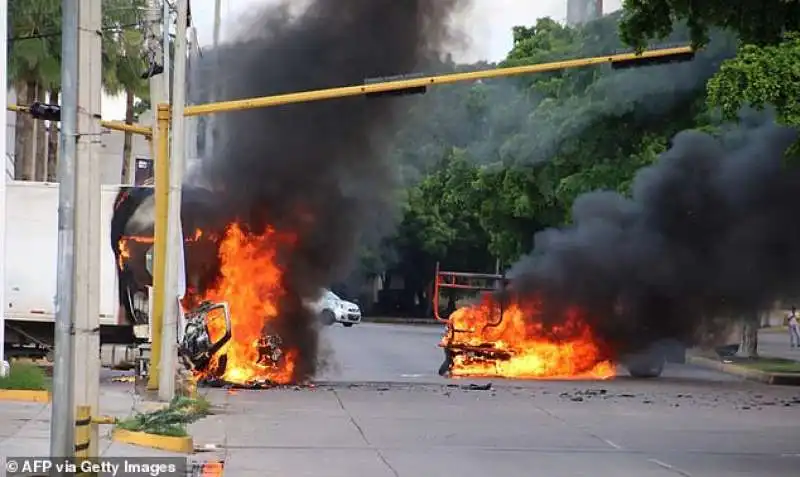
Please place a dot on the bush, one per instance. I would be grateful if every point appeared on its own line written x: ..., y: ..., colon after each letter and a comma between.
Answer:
x: 24, y: 376
x: 170, y: 421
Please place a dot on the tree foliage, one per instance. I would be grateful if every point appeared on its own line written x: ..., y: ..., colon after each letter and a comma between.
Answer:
x: 759, y: 23
x: 34, y: 67
x: 760, y: 76
x: 35, y: 45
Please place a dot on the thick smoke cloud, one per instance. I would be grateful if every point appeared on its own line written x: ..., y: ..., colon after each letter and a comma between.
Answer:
x: 316, y: 169
x: 710, y: 232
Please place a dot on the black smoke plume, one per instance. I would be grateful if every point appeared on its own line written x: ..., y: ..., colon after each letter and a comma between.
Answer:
x: 710, y: 232
x: 316, y: 169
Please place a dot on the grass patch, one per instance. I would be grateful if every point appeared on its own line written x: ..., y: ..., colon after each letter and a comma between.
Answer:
x: 771, y: 365
x: 25, y: 376
x: 170, y: 421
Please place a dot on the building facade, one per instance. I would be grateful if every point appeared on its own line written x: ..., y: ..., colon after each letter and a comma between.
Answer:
x: 582, y: 11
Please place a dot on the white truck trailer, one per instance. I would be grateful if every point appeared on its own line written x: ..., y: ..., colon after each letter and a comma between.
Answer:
x: 31, y: 268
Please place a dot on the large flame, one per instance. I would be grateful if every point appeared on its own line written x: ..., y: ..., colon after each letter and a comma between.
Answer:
x: 520, y: 346
x: 251, y: 282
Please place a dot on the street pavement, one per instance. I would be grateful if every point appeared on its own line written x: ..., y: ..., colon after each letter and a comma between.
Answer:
x: 381, y: 411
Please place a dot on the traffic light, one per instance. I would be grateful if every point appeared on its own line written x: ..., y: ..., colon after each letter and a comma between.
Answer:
x: 396, y: 92
x: 655, y: 57
x: 46, y: 112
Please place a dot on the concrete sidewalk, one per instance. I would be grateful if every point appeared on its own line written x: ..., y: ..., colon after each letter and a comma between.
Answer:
x: 771, y: 344
x: 25, y: 427
x: 775, y: 343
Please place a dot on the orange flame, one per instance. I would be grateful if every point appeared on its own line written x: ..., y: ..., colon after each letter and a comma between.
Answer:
x: 212, y: 469
x: 126, y: 246
x: 251, y: 282
x: 568, y: 351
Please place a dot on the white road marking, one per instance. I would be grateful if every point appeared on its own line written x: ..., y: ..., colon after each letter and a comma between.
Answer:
x: 612, y: 444
x: 669, y: 467
x: 411, y: 375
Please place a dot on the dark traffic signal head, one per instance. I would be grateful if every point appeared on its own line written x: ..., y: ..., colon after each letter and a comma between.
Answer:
x: 396, y: 92
x: 661, y: 56
x: 47, y: 112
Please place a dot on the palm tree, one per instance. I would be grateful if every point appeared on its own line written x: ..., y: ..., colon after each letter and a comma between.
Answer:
x: 124, y: 63
x: 33, y: 68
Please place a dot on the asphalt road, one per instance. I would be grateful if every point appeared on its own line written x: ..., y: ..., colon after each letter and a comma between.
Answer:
x: 401, y: 353
x: 381, y: 411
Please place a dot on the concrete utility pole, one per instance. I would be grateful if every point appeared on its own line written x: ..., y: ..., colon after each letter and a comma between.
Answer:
x: 169, y: 333
x: 3, y: 132
x: 155, y: 46
x: 211, y: 129
x: 191, y: 82
x: 166, y: 23
x: 88, y: 243
x: 61, y: 422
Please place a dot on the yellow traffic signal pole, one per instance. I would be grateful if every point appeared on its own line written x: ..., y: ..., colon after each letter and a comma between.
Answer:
x: 622, y: 60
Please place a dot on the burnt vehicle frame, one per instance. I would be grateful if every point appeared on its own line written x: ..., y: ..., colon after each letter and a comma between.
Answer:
x: 468, y: 282
x: 647, y: 363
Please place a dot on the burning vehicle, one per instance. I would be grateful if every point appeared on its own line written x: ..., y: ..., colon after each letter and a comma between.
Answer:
x: 234, y: 290
x: 500, y: 335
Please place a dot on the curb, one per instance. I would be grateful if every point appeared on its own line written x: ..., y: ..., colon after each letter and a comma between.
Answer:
x: 25, y: 395
x: 784, y: 379
x: 401, y: 321
x: 183, y: 445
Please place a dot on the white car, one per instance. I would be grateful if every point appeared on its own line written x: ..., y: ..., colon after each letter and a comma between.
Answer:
x: 332, y: 309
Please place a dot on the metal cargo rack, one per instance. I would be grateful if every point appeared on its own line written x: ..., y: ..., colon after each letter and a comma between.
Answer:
x: 482, y: 282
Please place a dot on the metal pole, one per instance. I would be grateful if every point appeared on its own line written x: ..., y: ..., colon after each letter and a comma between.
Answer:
x: 627, y: 60
x: 3, y: 132
x: 166, y: 385
x: 61, y: 428
x: 160, y: 242
x: 157, y: 40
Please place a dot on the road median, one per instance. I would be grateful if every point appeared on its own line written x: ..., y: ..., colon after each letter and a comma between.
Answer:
x: 763, y: 370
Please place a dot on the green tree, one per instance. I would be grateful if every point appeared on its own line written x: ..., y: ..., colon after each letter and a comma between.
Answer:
x: 760, y: 76
x: 441, y: 224
x: 33, y: 69
x: 124, y: 63
x: 759, y: 23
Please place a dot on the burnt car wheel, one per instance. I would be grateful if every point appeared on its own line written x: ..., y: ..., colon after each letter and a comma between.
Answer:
x: 646, y: 368
x: 447, y: 364
x: 327, y: 317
